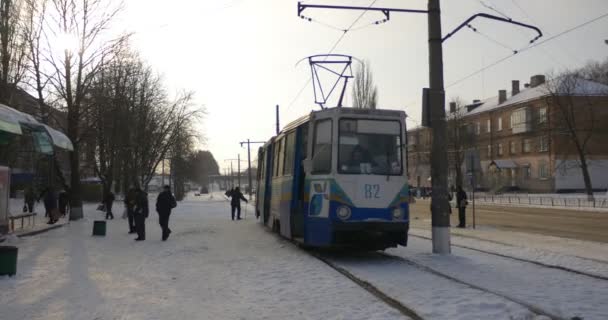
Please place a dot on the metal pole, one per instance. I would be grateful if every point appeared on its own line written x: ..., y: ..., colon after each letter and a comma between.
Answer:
x: 439, y: 202
x: 473, y: 183
x: 162, y: 177
x: 238, y: 168
x: 277, y: 113
x: 249, y: 166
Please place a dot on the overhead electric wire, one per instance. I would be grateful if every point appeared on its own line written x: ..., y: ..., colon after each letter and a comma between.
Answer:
x: 534, y: 45
x: 330, y: 52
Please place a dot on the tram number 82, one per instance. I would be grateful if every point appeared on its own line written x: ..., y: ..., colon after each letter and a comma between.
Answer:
x: 372, y: 191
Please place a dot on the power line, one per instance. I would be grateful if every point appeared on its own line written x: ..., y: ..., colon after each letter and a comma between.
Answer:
x: 330, y: 52
x: 530, y: 46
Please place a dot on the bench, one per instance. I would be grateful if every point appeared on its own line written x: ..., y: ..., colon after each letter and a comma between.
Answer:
x: 22, y: 216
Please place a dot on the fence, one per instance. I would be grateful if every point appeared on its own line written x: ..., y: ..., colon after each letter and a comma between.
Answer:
x: 567, y: 201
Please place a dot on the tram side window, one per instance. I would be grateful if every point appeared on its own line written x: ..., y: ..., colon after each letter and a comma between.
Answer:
x: 321, y: 153
x: 289, y: 153
x: 280, y: 157
x: 275, y: 161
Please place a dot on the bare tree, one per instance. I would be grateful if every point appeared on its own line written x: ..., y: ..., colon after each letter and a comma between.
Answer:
x: 74, y: 69
x: 461, y: 137
x: 13, y: 48
x: 365, y: 93
x: 596, y: 71
x: 572, y: 122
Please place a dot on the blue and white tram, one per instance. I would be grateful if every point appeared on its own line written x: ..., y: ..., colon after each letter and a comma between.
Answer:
x: 337, y: 177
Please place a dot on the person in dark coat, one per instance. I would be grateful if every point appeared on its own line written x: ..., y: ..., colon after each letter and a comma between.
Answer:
x: 130, y: 199
x: 461, y: 203
x: 108, y: 202
x: 30, y: 199
x: 235, y: 202
x: 64, y: 201
x: 164, y: 203
x: 50, y: 205
x: 140, y: 214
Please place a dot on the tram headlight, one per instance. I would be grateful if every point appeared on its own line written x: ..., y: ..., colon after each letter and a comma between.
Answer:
x: 397, y: 213
x: 343, y: 212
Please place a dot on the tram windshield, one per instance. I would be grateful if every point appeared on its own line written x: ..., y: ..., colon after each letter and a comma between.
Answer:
x: 370, y: 147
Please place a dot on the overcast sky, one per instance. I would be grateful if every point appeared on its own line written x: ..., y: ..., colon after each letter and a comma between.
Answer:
x: 240, y: 55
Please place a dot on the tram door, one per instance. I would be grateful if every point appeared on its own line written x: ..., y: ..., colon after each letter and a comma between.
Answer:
x: 267, y: 184
x: 297, y: 204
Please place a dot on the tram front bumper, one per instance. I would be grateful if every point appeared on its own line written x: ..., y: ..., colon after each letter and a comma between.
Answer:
x: 380, y: 234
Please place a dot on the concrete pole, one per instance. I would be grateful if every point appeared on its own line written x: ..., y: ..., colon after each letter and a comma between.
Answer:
x: 277, y: 113
x: 249, y: 166
x: 439, y: 159
x: 238, y: 168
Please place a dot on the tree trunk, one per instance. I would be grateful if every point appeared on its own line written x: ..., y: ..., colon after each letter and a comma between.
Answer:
x: 586, y: 177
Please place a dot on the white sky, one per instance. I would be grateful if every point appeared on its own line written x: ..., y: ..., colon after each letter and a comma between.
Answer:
x: 240, y: 55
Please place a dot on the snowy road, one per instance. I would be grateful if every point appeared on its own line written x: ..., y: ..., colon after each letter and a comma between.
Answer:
x: 214, y: 268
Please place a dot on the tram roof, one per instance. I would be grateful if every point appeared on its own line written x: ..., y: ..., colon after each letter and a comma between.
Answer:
x: 343, y: 110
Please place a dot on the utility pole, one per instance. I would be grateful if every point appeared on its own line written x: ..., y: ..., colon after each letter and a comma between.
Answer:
x: 440, y: 215
x: 277, y: 113
x: 248, y: 142
x: 436, y: 100
x: 238, y: 166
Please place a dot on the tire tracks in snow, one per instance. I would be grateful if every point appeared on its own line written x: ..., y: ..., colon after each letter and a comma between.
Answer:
x: 534, y: 309
x: 538, y: 263
x: 403, y: 309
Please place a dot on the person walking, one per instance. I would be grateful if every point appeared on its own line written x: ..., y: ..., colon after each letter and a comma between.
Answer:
x: 64, y: 201
x: 29, y: 199
x: 130, y: 199
x: 235, y: 202
x: 108, y: 202
x: 461, y: 203
x: 50, y: 205
x: 164, y: 203
x: 140, y: 214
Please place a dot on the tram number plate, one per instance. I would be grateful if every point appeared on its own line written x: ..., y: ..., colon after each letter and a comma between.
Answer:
x: 372, y: 191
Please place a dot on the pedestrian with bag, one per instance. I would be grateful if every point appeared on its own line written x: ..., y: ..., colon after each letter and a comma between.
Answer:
x: 461, y: 202
x: 140, y: 214
x: 235, y: 202
x: 64, y: 202
x: 50, y: 205
x: 164, y: 204
x: 108, y: 202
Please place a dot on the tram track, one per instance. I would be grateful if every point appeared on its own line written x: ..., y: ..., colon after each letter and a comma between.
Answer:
x: 538, y: 311
x: 550, y: 266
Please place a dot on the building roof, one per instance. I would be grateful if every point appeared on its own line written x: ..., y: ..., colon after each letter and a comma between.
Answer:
x: 581, y: 87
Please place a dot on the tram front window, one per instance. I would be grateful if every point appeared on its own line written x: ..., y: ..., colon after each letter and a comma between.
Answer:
x: 370, y: 147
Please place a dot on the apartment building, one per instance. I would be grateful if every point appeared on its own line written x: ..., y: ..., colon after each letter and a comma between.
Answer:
x: 521, y: 140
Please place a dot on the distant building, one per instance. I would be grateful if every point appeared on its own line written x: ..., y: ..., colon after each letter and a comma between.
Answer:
x: 515, y: 144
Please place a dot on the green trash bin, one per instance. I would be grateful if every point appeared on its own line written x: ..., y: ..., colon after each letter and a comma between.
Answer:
x: 8, y: 260
x: 99, y: 228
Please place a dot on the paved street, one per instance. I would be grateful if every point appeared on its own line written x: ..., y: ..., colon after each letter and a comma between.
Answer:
x: 582, y: 225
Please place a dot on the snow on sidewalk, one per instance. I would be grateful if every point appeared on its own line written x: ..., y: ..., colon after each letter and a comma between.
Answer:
x: 210, y: 268
x: 559, y: 292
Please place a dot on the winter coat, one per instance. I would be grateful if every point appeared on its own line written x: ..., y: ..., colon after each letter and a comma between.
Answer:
x: 236, y: 196
x: 63, y: 199
x: 130, y: 199
x: 461, y: 198
x: 109, y: 198
x: 141, y: 204
x: 165, y: 202
x: 50, y: 201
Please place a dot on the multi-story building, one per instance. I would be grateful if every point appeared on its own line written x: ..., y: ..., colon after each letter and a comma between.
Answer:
x: 524, y: 140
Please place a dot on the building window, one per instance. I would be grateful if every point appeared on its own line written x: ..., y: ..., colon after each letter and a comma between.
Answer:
x: 543, y: 145
x: 527, y: 172
x: 527, y: 145
x: 489, y: 126
x: 512, y: 147
x: 489, y: 151
x: 543, y: 171
x: 500, y: 149
x: 500, y: 124
x: 542, y: 115
x: 477, y: 128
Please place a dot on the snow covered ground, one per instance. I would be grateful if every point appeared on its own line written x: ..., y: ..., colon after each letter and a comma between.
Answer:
x: 214, y: 268
x: 210, y: 268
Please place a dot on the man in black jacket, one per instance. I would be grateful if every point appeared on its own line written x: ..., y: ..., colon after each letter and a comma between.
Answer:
x: 235, y: 202
x: 164, y: 203
x: 461, y: 203
x: 140, y: 214
x: 108, y: 202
